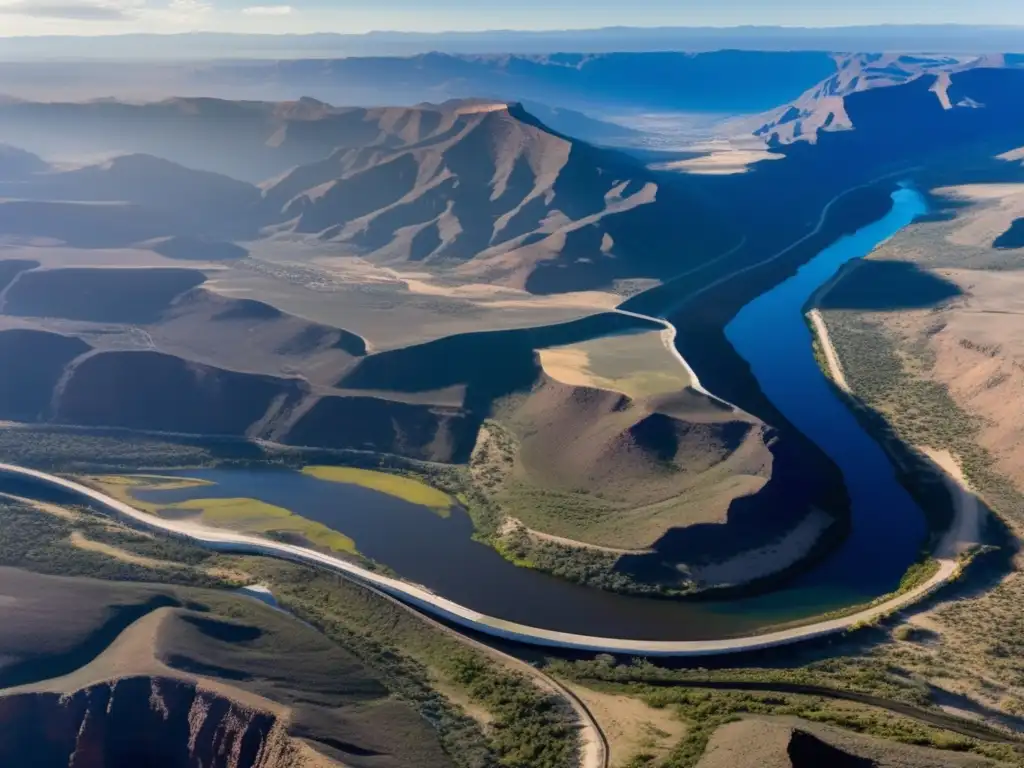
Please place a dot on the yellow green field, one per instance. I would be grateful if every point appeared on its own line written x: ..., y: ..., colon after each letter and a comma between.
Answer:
x: 121, y: 487
x: 244, y: 515
x: 636, y: 364
x: 254, y: 516
x: 405, y: 488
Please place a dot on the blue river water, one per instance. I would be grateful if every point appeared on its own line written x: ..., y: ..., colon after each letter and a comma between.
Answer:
x: 770, y: 333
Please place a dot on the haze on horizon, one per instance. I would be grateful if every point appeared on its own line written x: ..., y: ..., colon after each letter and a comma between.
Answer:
x: 101, y: 17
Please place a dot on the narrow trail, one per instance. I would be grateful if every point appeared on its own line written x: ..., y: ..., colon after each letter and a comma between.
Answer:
x: 671, y: 332
x: 819, y: 226
x: 835, y: 367
x: 970, y: 728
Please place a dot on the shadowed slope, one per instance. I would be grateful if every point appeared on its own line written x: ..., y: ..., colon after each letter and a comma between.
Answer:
x: 508, y: 199
x: 33, y: 362
x: 149, y: 390
x: 17, y: 164
x: 99, y: 295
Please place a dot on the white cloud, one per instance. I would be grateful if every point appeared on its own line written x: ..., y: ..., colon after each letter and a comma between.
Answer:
x: 189, y: 7
x: 268, y: 10
x: 71, y: 10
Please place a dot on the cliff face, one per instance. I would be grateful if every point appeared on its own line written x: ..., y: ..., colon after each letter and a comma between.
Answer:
x: 155, y: 722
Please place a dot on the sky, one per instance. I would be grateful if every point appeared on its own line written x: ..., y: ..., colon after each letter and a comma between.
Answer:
x: 35, y: 17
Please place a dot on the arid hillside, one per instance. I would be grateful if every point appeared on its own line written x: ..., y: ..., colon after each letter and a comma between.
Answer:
x: 248, y: 140
x: 792, y: 743
x: 116, y: 675
x: 824, y: 108
x: 481, y: 189
x: 501, y: 198
x: 390, y: 281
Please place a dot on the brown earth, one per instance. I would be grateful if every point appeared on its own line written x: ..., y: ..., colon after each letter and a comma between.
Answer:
x: 971, y: 342
x: 793, y: 743
x: 118, y: 675
x: 594, y: 466
x: 157, y: 722
x: 822, y: 108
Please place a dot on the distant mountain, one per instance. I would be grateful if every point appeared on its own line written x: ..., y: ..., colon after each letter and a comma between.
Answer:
x: 942, y: 38
x: 16, y: 164
x: 143, y: 180
x: 823, y: 108
x: 723, y: 81
x: 251, y: 141
x: 954, y: 124
x: 125, y: 199
x: 496, y: 194
x: 479, y: 188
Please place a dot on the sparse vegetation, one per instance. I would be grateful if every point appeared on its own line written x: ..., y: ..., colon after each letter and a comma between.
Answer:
x: 406, y: 488
x: 42, y: 446
x: 531, y: 728
x: 911, y: 408
x: 246, y: 515
x: 253, y: 516
x: 705, y: 710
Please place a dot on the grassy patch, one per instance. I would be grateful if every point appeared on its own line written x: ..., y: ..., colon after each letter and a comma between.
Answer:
x: 122, y: 487
x: 706, y: 710
x: 253, y: 516
x: 406, y: 488
x: 918, y: 574
x: 245, y: 515
x: 154, y: 482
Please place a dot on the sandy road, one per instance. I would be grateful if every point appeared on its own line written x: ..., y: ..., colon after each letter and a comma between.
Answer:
x: 835, y: 368
x: 969, y: 513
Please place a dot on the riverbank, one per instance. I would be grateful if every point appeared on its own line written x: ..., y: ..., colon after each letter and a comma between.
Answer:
x: 447, y: 610
x: 964, y: 531
x: 833, y: 367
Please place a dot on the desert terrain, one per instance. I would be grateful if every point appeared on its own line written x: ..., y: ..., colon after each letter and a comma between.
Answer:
x: 490, y: 300
x: 410, y: 273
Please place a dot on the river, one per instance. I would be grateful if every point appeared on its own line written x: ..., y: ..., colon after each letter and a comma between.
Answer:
x: 770, y: 333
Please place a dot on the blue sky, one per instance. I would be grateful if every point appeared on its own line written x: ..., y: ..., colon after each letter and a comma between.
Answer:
x: 18, y: 17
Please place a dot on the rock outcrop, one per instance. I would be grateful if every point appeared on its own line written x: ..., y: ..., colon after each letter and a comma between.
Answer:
x: 142, y: 721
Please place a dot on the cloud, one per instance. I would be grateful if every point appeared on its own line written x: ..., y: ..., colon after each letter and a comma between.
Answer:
x: 189, y: 7
x: 73, y: 11
x: 268, y: 10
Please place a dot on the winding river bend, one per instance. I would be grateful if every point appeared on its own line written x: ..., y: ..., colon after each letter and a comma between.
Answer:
x: 770, y: 333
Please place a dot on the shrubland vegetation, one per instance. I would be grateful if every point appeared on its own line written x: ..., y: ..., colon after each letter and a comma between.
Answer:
x: 582, y: 565
x: 911, y: 409
x: 704, y: 709
x: 528, y: 727
x: 41, y: 446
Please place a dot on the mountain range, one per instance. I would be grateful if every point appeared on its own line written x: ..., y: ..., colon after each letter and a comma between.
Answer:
x: 932, y: 38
